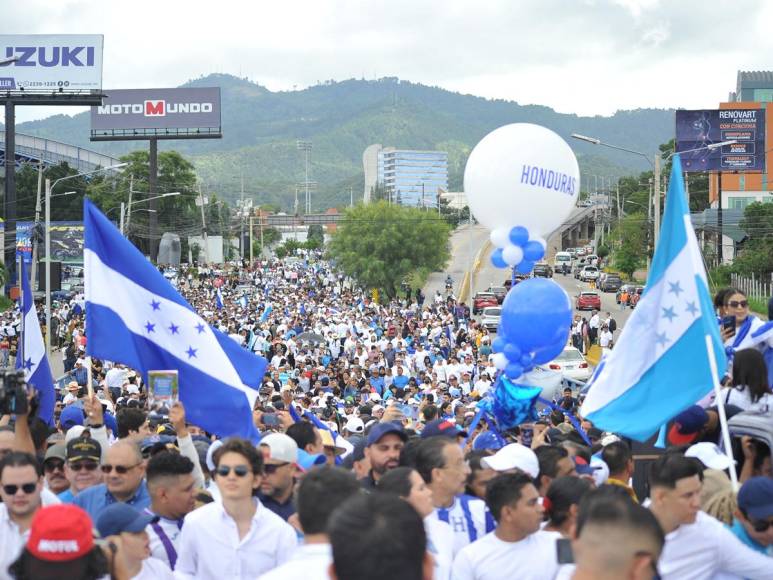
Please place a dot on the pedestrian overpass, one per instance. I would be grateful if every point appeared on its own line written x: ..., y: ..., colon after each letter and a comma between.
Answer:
x: 31, y: 150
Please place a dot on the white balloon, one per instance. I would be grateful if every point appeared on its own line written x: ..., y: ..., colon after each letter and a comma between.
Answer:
x: 522, y: 174
x: 512, y: 254
x: 499, y: 360
x: 500, y: 237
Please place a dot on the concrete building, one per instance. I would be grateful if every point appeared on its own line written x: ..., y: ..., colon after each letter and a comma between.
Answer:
x: 753, y: 86
x: 370, y: 167
x: 413, y: 178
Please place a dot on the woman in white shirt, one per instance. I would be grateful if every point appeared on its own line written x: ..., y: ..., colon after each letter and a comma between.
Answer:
x: 750, y: 380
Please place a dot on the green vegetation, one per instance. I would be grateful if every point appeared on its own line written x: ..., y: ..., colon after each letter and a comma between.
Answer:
x: 341, y: 119
x: 379, y: 245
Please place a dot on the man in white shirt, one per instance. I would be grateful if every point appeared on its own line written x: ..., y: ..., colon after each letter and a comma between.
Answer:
x: 320, y: 492
x: 238, y: 538
x: 593, y: 326
x: 171, y: 487
x: 697, y: 545
x: 440, y: 462
x: 22, y: 482
x: 514, y: 549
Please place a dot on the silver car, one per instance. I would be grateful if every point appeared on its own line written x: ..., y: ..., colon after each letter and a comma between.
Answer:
x: 491, y: 317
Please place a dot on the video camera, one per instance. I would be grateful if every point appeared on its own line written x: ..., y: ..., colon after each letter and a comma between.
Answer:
x: 13, y: 392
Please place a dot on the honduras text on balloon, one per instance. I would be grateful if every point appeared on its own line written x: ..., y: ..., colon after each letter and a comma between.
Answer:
x: 549, y: 179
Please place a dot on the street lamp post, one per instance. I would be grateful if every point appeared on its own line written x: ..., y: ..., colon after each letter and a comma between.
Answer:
x: 129, y: 207
x: 655, y: 163
x: 49, y: 188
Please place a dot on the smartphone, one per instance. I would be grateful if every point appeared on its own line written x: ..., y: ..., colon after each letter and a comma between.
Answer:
x: 564, y: 554
x: 728, y: 324
x: 270, y: 420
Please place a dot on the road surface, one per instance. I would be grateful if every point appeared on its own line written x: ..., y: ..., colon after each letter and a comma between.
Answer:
x: 465, y: 242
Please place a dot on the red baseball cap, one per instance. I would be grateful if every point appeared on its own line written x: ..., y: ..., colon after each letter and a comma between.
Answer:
x: 60, y: 533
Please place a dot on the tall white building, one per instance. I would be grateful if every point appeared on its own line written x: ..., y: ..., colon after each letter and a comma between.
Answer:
x: 413, y: 178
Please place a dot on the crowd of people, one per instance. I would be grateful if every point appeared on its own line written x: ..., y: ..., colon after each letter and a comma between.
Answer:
x: 369, y: 464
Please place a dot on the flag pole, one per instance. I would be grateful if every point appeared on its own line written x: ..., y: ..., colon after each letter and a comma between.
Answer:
x: 23, y: 326
x: 721, y: 410
x: 89, y: 377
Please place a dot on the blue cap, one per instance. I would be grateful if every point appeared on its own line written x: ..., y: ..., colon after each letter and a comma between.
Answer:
x: 308, y: 460
x: 487, y: 440
x: 755, y: 498
x: 71, y: 416
x: 442, y: 428
x: 381, y: 429
x: 121, y: 517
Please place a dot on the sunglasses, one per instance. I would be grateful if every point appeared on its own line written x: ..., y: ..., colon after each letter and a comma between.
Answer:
x: 119, y: 469
x: 239, y: 470
x: 84, y: 465
x: 738, y: 304
x: 273, y: 468
x: 27, y: 488
x: 761, y: 526
x: 50, y: 466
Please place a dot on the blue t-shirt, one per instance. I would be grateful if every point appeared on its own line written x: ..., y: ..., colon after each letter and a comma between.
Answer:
x: 740, y: 532
x: 400, y: 381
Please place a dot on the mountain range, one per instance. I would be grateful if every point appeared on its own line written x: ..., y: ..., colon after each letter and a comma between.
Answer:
x: 341, y: 118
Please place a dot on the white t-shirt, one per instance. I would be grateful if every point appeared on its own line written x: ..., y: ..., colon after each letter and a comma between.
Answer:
x: 153, y: 569
x: 706, y: 548
x: 440, y: 543
x: 308, y: 562
x: 533, y: 558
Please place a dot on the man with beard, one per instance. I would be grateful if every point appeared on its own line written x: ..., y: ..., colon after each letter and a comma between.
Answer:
x: 385, y: 442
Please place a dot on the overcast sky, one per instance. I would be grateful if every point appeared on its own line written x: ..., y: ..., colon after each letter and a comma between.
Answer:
x: 578, y: 56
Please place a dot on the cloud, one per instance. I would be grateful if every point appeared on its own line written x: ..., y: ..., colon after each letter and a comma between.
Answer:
x: 589, y: 57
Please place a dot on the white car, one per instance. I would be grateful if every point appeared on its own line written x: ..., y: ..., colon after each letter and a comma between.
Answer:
x: 589, y: 273
x: 491, y: 317
x: 571, y: 364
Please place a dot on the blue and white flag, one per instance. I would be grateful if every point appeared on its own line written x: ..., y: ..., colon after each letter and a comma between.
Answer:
x: 134, y: 316
x: 660, y: 364
x: 219, y: 298
x: 32, y: 355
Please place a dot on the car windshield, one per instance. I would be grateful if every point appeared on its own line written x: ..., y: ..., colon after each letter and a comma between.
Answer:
x: 497, y: 289
x: 589, y: 294
x: 492, y: 312
x: 590, y: 268
x: 570, y: 355
x: 482, y: 296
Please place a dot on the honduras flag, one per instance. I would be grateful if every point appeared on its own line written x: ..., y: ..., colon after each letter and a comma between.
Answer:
x: 660, y: 364
x: 219, y: 299
x: 135, y: 317
x: 32, y: 357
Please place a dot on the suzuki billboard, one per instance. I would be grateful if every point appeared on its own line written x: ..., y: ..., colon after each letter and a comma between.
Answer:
x: 145, y: 113
x: 51, y: 62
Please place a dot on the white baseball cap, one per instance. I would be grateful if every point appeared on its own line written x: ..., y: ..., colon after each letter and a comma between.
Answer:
x: 710, y: 455
x: 281, y: 447
x: 355, y: 425
x: 513, y: 456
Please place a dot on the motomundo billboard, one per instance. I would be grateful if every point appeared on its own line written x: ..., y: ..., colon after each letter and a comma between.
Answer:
x: 698, y: 129
x: 144, y: 113
x: 43, y: 62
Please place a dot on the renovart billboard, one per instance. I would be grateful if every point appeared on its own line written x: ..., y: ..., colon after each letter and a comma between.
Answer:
x: 51, y: 62
x: 699, y: 129
x: 144, y: 113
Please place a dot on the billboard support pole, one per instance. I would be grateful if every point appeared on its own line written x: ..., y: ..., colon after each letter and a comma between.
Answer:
x: 9, y: 200
x: 48, y: 268
x: 720, y: 251
x: 152, y: 186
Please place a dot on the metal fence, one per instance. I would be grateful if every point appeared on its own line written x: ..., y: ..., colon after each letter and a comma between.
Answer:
x: 760, y: 288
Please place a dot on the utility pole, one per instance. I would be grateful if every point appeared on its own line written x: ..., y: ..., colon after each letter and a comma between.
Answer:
x: 203, y: 227
x: 241, y: 220
x: 129, y: 206
x: 36, y: 242
x: 351, y: 196
x: 656, y: 201
x: 720, y: 250
x: 306, y: 147
x: 251, y: 256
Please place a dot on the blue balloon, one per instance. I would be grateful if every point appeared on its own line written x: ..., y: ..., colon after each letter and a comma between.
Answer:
x: 499, y: 344
x: 519, y: 235
x: 526, y: 359
x: 512, y: 352
x: 497, y: 259
x: 536, y: 315
x: 533, y: 251
x: 524, y: 267
x: 513, y: 371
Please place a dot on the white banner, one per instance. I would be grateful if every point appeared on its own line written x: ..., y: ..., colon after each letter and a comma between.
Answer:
x: 51, y: 62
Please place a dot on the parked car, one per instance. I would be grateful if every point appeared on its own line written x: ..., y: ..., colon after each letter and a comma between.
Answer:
x: 610, y: 283
x: 589, y: 273
x: 499, y: 291
x: 542, y: 270
x: 508, y: 283
x: 571, y: 364
x: 491, y: 317
x: 483, y: 300
x: 588, y: 301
